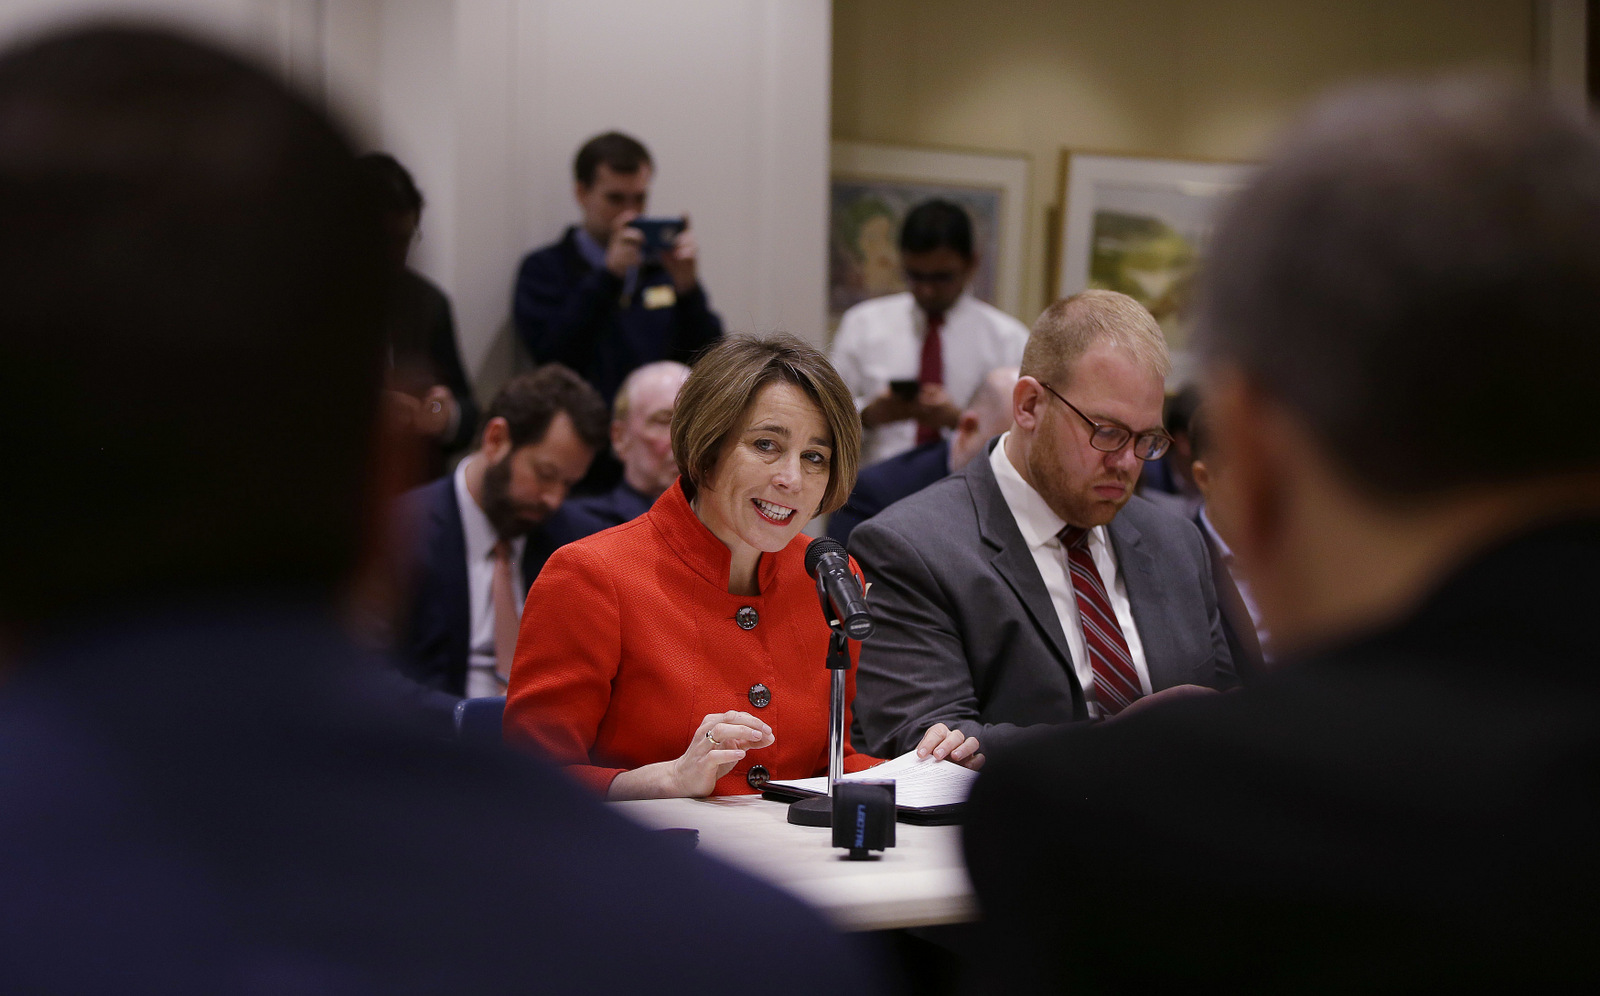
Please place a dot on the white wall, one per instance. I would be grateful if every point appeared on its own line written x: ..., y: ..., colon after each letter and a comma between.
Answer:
x: 285, y: 34
x: 487, y: 100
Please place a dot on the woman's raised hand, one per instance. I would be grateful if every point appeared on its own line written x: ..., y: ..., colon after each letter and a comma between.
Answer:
x: 719, y: 743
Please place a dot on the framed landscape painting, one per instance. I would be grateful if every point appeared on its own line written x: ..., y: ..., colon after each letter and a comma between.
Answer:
x: 873, y: 186
x: 1140, y: 226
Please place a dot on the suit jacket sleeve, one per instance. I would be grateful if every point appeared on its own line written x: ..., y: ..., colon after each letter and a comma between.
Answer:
x: 559, y: 319
x: 561, y: 676
x: 855, y: 511
x: 1174, y: 601
x: 1226, y: 674
x: 446, y: 358
x: 913, y: 671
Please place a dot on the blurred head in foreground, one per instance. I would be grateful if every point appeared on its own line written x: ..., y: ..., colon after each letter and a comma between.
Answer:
x: 190, y: 291
x: 1400, y: 348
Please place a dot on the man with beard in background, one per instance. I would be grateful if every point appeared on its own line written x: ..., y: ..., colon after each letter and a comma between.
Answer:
x: 481, y: 533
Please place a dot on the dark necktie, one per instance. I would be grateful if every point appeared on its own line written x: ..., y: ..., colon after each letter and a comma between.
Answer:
x: 1116, y: 681
x: 932, y: 372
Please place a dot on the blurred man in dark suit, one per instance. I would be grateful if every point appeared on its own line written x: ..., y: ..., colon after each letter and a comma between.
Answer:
x: 1248, y: 640
x: 203, y: 787
x: 1397, y: 326
x: 597, y: 300
x: 419, y: 329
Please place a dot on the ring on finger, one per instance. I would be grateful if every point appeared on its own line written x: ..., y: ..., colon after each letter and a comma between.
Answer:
x: 714, y: 741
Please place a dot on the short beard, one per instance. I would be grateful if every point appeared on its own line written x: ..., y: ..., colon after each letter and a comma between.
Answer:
x: 497, y: 502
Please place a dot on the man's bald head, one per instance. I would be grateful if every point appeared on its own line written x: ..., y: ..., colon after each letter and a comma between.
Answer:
x: 987, y: 415
x: 641, y: 425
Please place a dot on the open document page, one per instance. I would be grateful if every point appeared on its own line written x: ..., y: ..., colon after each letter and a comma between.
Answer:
x: 918, y: 783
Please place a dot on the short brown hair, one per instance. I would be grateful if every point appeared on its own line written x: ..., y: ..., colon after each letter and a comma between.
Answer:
x: 1072, y: 325
x: 724, y: 383
x: 1416, y: 275
x: 617, y: 152
x: 530, y: 401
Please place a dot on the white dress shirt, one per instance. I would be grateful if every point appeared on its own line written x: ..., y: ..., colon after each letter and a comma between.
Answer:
x: 481, y: 538
x: 881, y: 340
x: 1040, y: 528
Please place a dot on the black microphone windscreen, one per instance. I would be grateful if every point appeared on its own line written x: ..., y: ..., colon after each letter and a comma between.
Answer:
x: 819, y: 548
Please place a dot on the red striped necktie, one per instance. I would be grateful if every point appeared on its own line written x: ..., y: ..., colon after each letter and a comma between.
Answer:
x: 1116, y: 680
x: 931, y: 371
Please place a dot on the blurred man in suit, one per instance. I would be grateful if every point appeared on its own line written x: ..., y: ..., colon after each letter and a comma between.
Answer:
x: 641, y: 438
x: 481, y: 534
x: 1241, y: 617
x: 596, y: 300
x: 1397, y: 328
x: 425, y: 370
x: 1035, y: 588
x: 1169, y: 482
x: 205, y: 788
x: 877, y: 487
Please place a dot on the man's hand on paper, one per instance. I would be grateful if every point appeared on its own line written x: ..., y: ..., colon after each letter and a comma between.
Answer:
x: 945, y: 744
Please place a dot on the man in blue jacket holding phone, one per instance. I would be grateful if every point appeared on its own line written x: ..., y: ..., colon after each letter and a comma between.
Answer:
x: 617, y: 291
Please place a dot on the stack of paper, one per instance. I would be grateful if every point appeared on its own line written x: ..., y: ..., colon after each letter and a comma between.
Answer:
x: 918, y: 782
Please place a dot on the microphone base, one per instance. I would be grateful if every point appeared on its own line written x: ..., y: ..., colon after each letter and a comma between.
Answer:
x: 814, y: 812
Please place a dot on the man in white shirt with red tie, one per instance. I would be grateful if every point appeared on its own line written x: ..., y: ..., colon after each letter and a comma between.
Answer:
x: 914, y: 359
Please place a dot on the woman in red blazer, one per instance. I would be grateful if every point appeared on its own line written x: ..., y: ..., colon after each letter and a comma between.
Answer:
x: 681, y: 653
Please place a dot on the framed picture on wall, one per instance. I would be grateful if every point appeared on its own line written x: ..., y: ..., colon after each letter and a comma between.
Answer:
x: 873, y: 186
x: 1140, y: 226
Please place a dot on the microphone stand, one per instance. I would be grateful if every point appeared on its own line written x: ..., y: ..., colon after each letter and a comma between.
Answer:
x: 819, y: 812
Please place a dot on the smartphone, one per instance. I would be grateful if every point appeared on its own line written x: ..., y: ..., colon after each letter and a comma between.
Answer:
x: 905, y: 390
x: 659, y: 233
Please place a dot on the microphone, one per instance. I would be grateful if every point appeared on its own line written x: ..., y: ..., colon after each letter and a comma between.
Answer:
x: 826, y: 561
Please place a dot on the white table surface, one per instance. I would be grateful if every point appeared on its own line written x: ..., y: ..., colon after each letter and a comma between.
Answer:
x: 919, y: 882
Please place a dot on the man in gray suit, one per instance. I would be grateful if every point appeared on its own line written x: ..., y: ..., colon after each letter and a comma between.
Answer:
x: 1034, y: 588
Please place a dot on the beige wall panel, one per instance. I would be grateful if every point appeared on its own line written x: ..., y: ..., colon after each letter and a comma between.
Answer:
x: 1206, y: 79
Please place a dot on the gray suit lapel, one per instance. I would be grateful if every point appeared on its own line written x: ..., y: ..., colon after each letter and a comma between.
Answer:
x: 1235, y: 614
x: 1012, y: 559
x: 1144, y: 586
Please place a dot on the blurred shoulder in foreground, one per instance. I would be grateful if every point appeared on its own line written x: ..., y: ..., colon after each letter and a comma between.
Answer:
x: 1396, y: 384
x: 206, y: 789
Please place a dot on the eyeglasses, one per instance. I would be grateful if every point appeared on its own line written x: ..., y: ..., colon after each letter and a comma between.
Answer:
x: 1108, y: 437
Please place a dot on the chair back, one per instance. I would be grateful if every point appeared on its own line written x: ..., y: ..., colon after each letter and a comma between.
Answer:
x: 478, y: 720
